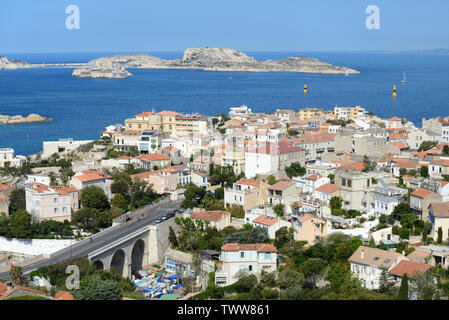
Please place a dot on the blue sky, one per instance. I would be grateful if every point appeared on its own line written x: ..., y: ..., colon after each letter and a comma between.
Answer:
x: 37, y: 26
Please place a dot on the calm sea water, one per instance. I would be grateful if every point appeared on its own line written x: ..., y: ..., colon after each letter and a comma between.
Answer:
x: 82, y: 108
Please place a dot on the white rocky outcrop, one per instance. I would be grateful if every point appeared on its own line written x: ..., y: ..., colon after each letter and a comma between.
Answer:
x: 20, y: 119
x: 216, y: 59
x: 6, y: 63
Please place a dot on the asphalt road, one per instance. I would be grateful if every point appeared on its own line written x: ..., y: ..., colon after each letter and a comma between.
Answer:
x: 103, y: 238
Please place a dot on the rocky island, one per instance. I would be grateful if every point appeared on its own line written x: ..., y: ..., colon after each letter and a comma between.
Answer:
x: 102, y: 69
x: 216, y: 59
x: 6, y: 63
x: 20, y: 119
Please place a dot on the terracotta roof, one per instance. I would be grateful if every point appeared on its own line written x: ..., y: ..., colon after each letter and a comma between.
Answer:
x: 63, y: 191
x: 411, y: 268
x: 421, y: 193
x: 440, y: 162
x: 265, y: 220
x: 281, y: 185
x: 39, y: 187
x: 144, y: 175
x: 440, y: 210
x: 394, y: 119
x: 259, y: 247
x: 171, y: 148
x: 400, y: 145
x: 397, y: 136
x: 153, y: 157
x: 443, y: 122
x: 5, y: 293
x: 95, y: 175
x: 63, y: 295
x: 313, y: 177
x: 419, y: 255
x: 328, y: 188
x: 144, y: 114
x: 375, y: 257
x: 169, y: 113
x: 202, y: 159
x: 4, y: 187
x: 285, y: 147
x: 307, y: 216
x: 248, y: 182
x: 209, y: 215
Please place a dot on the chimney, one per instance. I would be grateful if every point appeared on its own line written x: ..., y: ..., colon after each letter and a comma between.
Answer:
x: 362, y: 254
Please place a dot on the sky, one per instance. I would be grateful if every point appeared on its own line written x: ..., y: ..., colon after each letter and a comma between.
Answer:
x: 39, y: 26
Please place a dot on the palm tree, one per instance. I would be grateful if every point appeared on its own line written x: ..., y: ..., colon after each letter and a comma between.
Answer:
x: 16, y: 275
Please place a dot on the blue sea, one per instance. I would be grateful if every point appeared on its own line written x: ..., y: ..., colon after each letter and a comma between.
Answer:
x: 82, y: 108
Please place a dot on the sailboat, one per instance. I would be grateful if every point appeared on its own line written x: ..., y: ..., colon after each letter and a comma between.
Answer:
x: 403, y: 78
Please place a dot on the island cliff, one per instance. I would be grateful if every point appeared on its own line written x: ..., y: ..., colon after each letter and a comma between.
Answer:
x: 20, y: 119
x: 6, y: 63
x: 218, y: 59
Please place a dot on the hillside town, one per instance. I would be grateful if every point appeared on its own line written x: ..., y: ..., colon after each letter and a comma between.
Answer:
x: 294, y: 204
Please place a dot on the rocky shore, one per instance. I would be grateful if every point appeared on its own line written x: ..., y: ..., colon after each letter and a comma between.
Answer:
x: 6, y: 63
x: 212, y: 59
x: 20, y: 119
x: 100, y: 69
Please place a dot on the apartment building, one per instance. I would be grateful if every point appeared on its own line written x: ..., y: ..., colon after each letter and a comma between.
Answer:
x: 246, y: 193
x: 169, y: 121
x: 148, y: 142
x: 163, y: 181
x: 420, y: 200
x: 316, y: 145
x: 262, y: 159
x: 7, y: 159
x: 309, y: 227
x: 439, y: 217
x: 150, y: 161
x: 309, y: 183
x: 92, y: 178
x: 215, y: 219
x: 125, y: 140
x: 47, y: 203
x: 355, y: 190
x: 307, y: 113
x: 369, y: 263
x: 252, y: 258
x: 282, y: 192
x: 350, y: 113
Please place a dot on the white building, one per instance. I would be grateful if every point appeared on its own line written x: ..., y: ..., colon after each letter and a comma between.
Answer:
x: 309, y: 183
x: 148, y: 142
x: 40, y: 178
x: 242, y: 110
x: 7, y: 158
x: 262, y: 159
x: 252, y: 258
x: 63, y: 146
x: 369, y: 263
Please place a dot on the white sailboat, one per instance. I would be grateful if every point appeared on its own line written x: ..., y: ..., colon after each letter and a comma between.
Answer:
x: 403, y: 78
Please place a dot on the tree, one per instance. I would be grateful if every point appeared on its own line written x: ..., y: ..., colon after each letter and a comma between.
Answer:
x: 446, y: 149
x: 403, y: 290
x: 245, y: 281
x: 236, y: 211
x: 94, y: 197
x: 253, y: 235
x: 402, y: 171
x: 219, y: 193
x: 87, y: 218
x: 386, y: 286
x: 400, y: 210
x: 295, y: 170
x: 426, y: 145
x: 424, y: 171
x: 94, y: 288
x: 193, y: 196
x: 279, y: 209
x: 16, y: 275
x: 17, y: 200
x: 292, y: 132
x: 290, y: 277
x: 271, y: 180
x: 172, y: 238
x: 335, y: 203
x: 268, y: 279
x: 119, y: 201
x: 440, y: 235
x: 372, y: 244
x: 20, y: 224
x: 404, y: 233
x: 52, y: 176
x: 313, y: 268
x: 142, y: 193
x: 369, y: 165
x: 120, y: 186
x: 425, y: 287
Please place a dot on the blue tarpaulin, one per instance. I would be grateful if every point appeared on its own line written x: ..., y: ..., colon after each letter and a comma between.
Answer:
x: 173, y: 277
x: 159, y: 279
x: 178, y: 286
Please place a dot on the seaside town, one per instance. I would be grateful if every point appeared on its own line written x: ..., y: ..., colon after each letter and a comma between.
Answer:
x: 303, y: 204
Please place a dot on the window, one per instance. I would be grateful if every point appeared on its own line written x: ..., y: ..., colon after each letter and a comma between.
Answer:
x: 55, y: 210
x: 242, y: 254
x: 55, y: 200
x: 64, y: 209
x: 267, y: 256
x: 250, y: 268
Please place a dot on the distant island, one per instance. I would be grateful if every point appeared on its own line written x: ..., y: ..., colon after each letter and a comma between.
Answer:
x: 6, y: 63
x: 209, y: 59
x: 20, y: 119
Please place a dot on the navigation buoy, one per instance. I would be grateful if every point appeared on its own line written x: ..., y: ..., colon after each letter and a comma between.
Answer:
x: 305, y: 89
x: 394, y: 92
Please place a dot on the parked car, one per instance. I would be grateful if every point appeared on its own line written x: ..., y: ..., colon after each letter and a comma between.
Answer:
x: 158, y: 220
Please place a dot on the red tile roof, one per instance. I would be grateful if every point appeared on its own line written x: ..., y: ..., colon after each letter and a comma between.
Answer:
x: 421, y: 193
x: 265, y: 220
x: 411, y: 268
x: 4, y: 187
x: 169, y: 113
x: 440, y: 210
x: 92, y: 176
x: 209, y: 215
x: 248, y: 182
x: 394, y: 119
x: 313, y: 177
x: 281, y: 185
x: 153, y: 157
x: 64, y: 191
x: 397, y: 136
x: 259, y: 247
x: 144, y: 114
x: 5, y: 293
x: 328, y: 188
x: 63, y: 295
